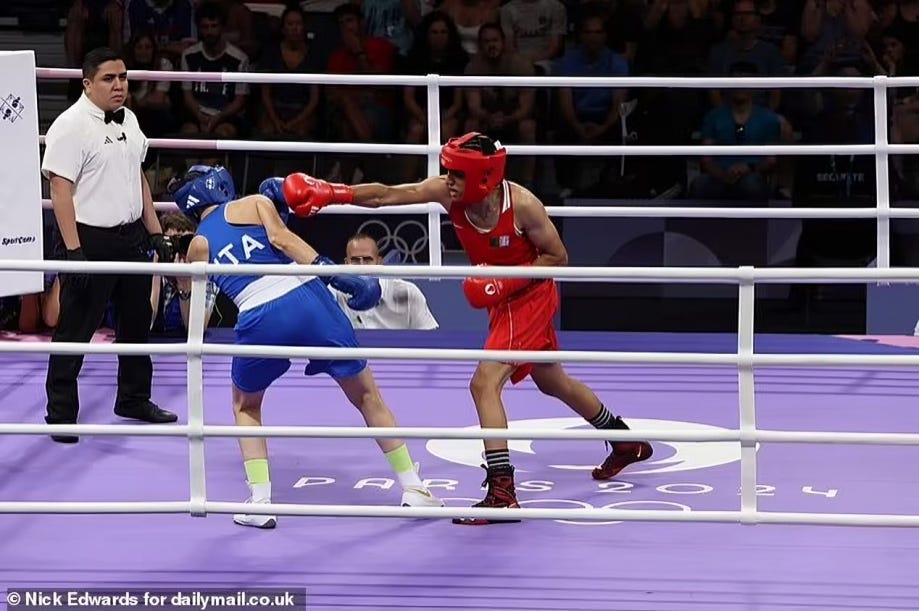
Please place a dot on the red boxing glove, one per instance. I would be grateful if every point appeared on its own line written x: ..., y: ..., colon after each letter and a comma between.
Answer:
x: 306, y: 195
x: 489, y: 292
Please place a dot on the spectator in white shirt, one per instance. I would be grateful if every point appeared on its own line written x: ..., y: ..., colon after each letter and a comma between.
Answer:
x: 402, y: 306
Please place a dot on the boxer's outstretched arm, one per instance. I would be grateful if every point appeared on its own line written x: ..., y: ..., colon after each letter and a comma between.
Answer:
x: 376, y: 195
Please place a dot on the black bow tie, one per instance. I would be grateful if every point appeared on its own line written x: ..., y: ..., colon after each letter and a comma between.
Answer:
x: 116, y: 116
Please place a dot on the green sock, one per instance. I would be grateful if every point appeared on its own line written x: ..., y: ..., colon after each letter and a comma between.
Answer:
x: 257, y: 471
x: 401, y: 463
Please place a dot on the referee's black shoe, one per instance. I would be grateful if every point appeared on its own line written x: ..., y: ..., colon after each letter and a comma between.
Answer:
x: 147, y: 412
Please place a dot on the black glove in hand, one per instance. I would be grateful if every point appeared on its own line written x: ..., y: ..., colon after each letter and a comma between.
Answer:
x: 76, y: 280
x: 163, y: 247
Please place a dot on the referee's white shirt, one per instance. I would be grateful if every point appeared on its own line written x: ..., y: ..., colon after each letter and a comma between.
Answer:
x: 402, y: 306
x: 103, y: 161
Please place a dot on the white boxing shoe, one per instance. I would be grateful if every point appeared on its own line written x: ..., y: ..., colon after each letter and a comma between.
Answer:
x: 260, y: 494
x: 419, y: 497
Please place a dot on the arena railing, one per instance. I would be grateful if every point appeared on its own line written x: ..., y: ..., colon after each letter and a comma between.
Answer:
x: 881, y: 148
x: 744, y: 358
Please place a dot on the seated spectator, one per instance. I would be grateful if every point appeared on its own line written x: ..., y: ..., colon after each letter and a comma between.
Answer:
x: 150, y: 100
x: 437, y: 50
x: 844, y: 116
x: 904, y: 126
x: 469, y: 17
x: 170, y: 22
x: 289, y: 109
x: 240, y: 30
x: 361, y: 114
x: 740, y: 121
x: 743, y: 44
x: 41, y: 310
x: 393, y: 21
x: 90, y: 24
x: 402, y: 306
x: 504, y: 113
x: 214, y: 108
x: 781, y: 27
x: 535, y: 29
x: 589, y: 116
x: 839, y: 27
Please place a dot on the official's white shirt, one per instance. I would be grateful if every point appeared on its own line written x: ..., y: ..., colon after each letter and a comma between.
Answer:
x: 402, y: 306
x: 103, y: 161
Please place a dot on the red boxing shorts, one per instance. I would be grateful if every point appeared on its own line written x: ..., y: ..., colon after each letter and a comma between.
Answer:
x: 524, y: 322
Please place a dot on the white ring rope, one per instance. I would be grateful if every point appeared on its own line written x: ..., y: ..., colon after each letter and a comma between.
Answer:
x: 880, y: 149
x: 744, y: 358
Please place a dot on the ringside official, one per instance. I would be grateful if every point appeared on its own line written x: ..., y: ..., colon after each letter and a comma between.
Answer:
x: 104, y: 209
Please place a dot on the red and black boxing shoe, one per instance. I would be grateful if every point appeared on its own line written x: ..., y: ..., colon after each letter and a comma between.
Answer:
x: 623, y: 454
x: 500, y: 495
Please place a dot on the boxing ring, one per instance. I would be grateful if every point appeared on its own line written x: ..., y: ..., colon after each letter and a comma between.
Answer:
x: 793, y: 455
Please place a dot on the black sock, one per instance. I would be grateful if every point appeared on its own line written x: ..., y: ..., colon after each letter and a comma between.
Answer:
x: 605, y: 420
x: 498, y: 459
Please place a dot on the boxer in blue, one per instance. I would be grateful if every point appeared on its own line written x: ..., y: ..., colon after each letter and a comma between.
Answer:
x: 283, y: 311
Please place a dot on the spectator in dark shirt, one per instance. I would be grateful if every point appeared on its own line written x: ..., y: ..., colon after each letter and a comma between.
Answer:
x: 214, y: 108
x: 437, y: 50
x: 289, y: 109
x: 170, y: 21
x: 150, y: 100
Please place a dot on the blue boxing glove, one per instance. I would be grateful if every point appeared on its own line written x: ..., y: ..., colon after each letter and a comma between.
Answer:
x: 365, y: 292
x: 272, y: 188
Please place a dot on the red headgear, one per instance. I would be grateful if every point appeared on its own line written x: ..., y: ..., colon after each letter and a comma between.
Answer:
x: 483, y: 172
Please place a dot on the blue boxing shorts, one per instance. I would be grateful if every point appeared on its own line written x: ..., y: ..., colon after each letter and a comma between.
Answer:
x: 306, y: 316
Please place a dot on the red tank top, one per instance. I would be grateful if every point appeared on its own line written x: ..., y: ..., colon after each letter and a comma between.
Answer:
x: 503, y: 245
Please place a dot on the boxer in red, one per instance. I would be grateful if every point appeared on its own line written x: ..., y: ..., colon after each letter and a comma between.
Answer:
x: 498, y: 222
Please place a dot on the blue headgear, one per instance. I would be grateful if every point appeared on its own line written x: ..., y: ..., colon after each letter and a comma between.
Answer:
x: 202, y: 186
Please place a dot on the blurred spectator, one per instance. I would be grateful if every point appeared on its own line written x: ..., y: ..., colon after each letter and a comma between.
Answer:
x: 214, y: 108
x: 740, y: 122
x: 436, y: 50
x: 589, y: 116
x: 150, y: 100
x: 361, y: 114
x: 290, y: 109
x: 469, y: 16
x: 624, y: 23
x: 239, y: 29
x: 393, y: 20
x: 535, y: 29
x: 838, y: 27
x: 170, y: 21
x: 743, y: 44
x: 41, y: 310
x: 903, y: 16
x: 781, y: 27
x: 90, y: 24
x: 677, y: 40
x: 842, y: 116
x: 402, y: 306
x: 904, y: 127
x: 504, y: 113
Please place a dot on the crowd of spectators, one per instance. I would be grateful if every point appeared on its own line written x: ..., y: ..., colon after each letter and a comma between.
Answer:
x: 534, y: 38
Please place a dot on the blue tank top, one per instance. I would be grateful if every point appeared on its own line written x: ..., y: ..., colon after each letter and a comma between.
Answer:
x: 230, y: 244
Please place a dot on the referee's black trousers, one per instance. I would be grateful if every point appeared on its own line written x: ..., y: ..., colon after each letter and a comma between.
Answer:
x: 83, y: 305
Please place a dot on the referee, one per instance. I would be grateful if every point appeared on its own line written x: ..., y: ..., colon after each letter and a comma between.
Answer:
x: 103, y: 207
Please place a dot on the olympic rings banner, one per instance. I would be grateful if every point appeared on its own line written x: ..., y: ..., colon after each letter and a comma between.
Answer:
x: 20, y: 172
